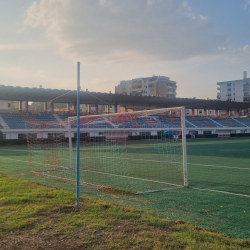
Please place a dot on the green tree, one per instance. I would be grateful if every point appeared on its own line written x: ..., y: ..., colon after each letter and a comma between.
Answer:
x: 1, y: 135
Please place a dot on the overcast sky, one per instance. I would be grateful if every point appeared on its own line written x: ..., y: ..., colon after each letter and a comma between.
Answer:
x: 196, y: 43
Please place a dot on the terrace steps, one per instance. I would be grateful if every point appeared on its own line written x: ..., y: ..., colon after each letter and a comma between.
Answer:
x: 57, y: 117
x: 60, y: 120
x: 3, y: 123
x: 243, y: 125
x: 220, y: 125
x: 190, y: 123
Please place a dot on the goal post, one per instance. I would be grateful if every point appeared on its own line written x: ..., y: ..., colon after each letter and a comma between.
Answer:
x: 184, y: 146
x: 140, y: 151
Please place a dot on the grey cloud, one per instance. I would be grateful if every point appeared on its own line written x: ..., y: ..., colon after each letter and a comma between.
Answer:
x: 111, y: 29
x: 247, y: 5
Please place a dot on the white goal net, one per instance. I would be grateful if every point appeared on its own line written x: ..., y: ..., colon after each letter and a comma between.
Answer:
x: 135, y: 152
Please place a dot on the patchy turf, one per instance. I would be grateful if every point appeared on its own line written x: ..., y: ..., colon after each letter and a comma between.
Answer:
x: 217, y: 164
x: 221, y: 212
x: 33, y: 216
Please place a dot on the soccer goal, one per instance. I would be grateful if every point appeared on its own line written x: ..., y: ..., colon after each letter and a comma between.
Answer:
x: 137, y: 152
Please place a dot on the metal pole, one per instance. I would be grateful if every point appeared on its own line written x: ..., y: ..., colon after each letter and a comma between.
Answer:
x: 78, y: 138
x: 184, y: 148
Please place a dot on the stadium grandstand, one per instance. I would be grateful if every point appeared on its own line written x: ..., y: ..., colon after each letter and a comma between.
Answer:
x: 228, y: 117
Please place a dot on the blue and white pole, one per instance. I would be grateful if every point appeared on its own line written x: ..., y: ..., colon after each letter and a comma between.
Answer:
x: 78, y: 139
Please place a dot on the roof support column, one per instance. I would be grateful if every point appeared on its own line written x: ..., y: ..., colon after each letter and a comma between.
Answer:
x: 75, y: 107
x: 96, y: 108
x: 68, y: 107
x: 247, y: 114
x: 227, y: 113
x: 89, y: 109
x: 45, y: 107
x: 20, y: 107
x: 26, y: 106
x: 238, y: 113
x: 52, y: 107
x: 192, y: 111
x: 116, y: 108
x: 205, y: 112
x: 216, y: 113
x: 108, y: 109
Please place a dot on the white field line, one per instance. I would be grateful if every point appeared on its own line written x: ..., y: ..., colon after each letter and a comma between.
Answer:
x: 132, y: 159
x: 217, y: 166
x: 37, y: 162
x: 142, y: 160
x: 199, y: 149
x: 12, y: 159
x: 2, y: 149
x: 65, y: 179
x: 139, y: 147
x: 223, y: 192
x: 92, y: 184
x: 53, y: 176
x: 201, y: 189
x: 154, y: 191
x: 135, y: 178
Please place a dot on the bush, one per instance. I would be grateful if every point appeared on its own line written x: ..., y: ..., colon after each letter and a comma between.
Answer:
x: 207, y: 136
x: 146, y: 137
x: 240, y: 135
x: 187, y: 136
x: 13, y: 142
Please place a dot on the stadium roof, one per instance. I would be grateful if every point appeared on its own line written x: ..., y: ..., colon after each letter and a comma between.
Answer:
x: 66, y: 96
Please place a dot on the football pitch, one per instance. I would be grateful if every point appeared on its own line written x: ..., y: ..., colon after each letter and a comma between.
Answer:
x: 218, y: 196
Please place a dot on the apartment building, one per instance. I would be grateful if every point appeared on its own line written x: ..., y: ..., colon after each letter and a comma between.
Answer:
x: 234, y: 90
x: 148, y: 86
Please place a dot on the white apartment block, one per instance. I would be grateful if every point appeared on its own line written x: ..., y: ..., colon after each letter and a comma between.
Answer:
x: 148, y: 86
x: 235, y: 90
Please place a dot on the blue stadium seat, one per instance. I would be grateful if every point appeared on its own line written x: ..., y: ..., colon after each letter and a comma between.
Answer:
x: 21, y: 121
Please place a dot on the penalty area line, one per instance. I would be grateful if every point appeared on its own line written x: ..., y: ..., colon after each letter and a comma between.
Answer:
x: 218, y: 191
x: 217, y: 166
x: 39, y: 163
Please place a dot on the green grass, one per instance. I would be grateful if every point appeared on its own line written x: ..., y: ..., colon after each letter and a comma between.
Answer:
x: 223, y: 165
x: 222, y: 212
x: 231, y: 155
x: 33, y: 216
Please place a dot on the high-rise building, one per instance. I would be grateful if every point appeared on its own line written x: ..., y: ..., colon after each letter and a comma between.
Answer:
x: 148, y: 86
x: 235, y: 90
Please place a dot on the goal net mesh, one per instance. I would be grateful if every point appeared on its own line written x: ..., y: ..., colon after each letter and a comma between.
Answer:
x: 123, y: 152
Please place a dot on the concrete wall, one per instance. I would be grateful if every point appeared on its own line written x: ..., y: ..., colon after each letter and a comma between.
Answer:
x: 10, y: 105
x: 11, y: 135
